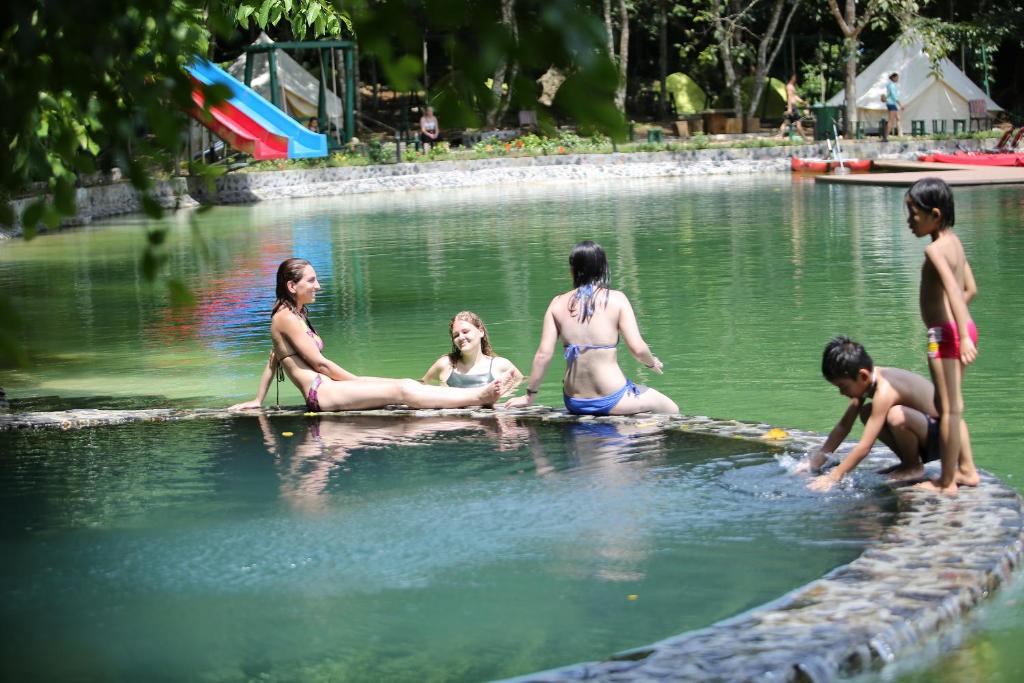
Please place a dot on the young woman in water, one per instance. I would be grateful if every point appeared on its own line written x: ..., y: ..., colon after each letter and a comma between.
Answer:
x: 471, y: 362
x: 297, y: 353
x: 590, y: 319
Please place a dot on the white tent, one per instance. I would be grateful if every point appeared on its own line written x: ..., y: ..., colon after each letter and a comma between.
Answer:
x: 299, y: 89
x: 926, y: 93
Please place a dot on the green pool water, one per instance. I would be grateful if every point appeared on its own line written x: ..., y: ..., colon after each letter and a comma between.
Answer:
x: 737, y: 281
x: 369, y: 549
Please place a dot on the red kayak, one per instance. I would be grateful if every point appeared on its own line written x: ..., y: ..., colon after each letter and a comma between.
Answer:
x: 825, y: 165
x: 1005, y: 159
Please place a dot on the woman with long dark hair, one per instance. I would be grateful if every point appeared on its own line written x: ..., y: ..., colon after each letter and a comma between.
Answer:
x: 298, y: 353
x: 590, y: 319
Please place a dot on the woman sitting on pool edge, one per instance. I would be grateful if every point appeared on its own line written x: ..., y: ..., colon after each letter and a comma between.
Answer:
x: 586, y: 318
x: 471, y: 362
x: 297, y: 353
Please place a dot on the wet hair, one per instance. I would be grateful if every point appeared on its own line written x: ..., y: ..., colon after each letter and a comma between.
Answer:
x: 589, y: 266
x: 844, y: 357
x: 474, y: 320
x: 290, y: 270
x: 933, y: 193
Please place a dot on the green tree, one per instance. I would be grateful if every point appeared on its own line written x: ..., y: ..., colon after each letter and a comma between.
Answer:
x: 877, y: 13
x: 748, y: 34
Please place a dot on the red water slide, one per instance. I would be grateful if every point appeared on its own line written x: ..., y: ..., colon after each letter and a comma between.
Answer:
x: 238, y: 129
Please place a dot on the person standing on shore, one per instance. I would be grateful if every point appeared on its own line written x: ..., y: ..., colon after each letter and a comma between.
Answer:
x: 892, y: 104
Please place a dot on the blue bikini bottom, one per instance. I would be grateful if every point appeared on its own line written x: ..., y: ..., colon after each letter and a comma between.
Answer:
x: 601, y: 405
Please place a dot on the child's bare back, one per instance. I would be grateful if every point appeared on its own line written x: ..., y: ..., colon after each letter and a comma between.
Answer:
x: 935, y: 306
x: 908, y: 389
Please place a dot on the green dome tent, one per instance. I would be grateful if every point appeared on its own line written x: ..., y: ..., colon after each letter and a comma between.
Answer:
x: 688, y: 96
x: 773, y: 104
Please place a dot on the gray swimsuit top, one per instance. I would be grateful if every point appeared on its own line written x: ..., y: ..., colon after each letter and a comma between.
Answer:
x: 466, y: 380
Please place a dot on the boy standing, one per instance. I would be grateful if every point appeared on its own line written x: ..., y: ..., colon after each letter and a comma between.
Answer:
x: 896, y: 406
x: 947, y: 287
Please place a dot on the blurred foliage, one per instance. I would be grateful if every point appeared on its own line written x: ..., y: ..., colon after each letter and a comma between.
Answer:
x: 562, y: 33
x: 90, y: 86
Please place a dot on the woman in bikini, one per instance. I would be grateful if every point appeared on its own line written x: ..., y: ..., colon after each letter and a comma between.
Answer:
x: 471, y: 362
x: 590, y: 319
x: 298, y: 353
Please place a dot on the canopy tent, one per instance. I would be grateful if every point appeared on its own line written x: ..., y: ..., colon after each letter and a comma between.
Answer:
x: 299, y: 89
x: 926, y: 92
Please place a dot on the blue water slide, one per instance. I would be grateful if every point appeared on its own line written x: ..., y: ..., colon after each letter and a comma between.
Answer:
x: 302, y: 142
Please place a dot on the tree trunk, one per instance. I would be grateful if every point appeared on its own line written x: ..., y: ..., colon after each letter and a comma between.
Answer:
x: 607, y: 6
x: 850, y: 99
x: 766, y: 59
x: 663, y: 57
x: 620, y: 92
x: 851, y: 27
x: 504, y: 72
x: 724, y: 32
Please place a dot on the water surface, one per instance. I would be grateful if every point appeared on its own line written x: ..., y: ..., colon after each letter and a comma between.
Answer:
x: 738, y: 282
x: 368, y: 549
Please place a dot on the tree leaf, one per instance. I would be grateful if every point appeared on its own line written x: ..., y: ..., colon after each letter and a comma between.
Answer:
x: 12, y: 351
x: 64, y: 197
x: 51, y: 217
x: 31, y: 217
x: 6, y: 213
x: 150, y: 265
x: 181, y: 296
x: 151, y: 207
x: 264, y: 14
x: 312, y: 13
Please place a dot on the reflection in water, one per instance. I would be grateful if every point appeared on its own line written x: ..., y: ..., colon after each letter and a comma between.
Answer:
x: 307, y: 461
x: 387, y: 548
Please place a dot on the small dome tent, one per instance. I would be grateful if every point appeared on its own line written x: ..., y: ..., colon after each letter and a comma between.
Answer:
x: 689, y: 97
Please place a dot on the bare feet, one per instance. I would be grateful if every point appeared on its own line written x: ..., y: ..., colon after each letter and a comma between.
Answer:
x: 509, y: 383
x: 932, y: 486
x: 971, y: 478
x: 490, y: 393
x: 901, y: 472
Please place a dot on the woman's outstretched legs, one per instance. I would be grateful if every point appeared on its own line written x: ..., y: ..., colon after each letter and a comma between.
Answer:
x: 418, y: 395
x: 378, y: 393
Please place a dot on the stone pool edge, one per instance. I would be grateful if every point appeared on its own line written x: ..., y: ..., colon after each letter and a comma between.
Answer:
x: 116, y: 197
x: 938, y: 560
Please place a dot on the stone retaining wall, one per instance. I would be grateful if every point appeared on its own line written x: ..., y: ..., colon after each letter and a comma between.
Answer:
x: 938, y: 560
x: 104, y: 201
